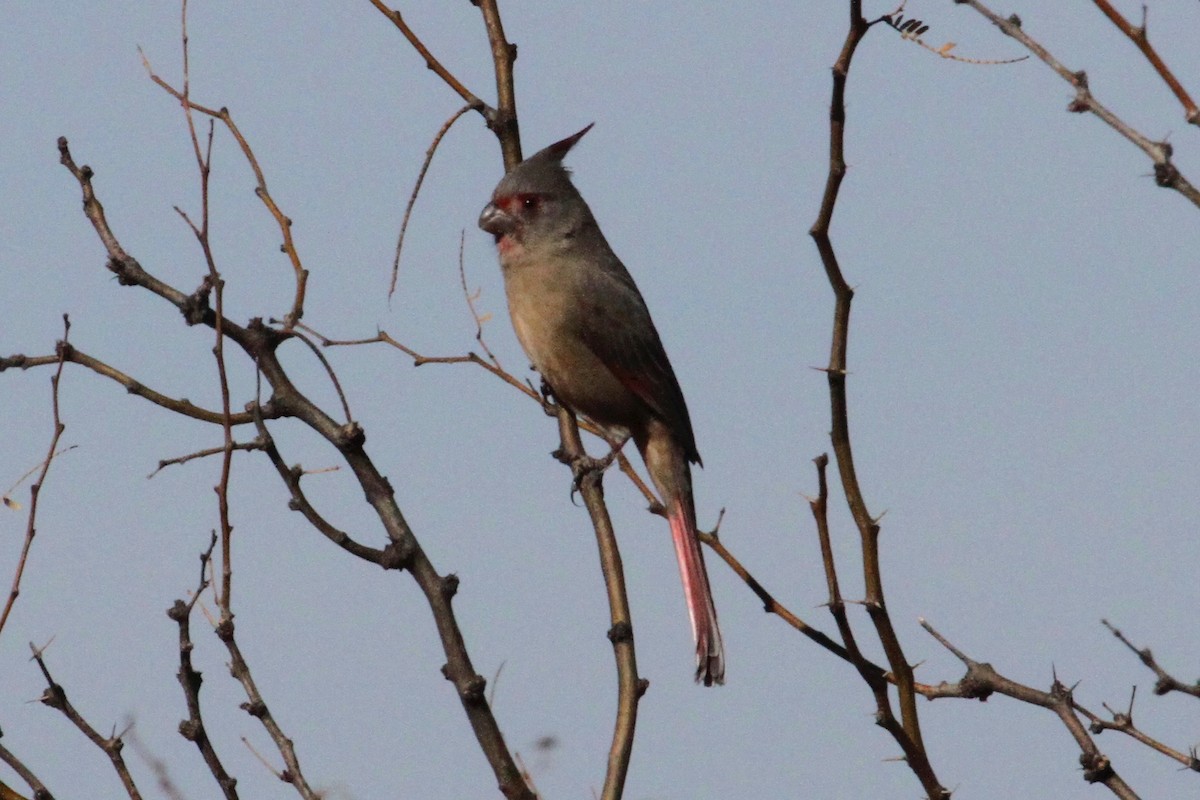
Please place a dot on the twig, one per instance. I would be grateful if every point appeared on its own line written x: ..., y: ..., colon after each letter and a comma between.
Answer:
x: 7, y: 499
x: 912, y: 29
x: 1165, y: 683
x: 211, y: 451
x: 204, y: 166
x: 333, y: 378
x: 257, y: 708
x: 1139, y: 37
x: 1166, y: 174
x: 35, y: 490
x: 283, y: 221
x: 503, y: 121
x: 471, y: 297
x: 40, y: 792
x: 299, y: 502
x: 412, y: 198
x: 432, y: 63
x: 1122, y: 722
x: 182, y: 407
x: 55, y: 697
x: 193, y: 728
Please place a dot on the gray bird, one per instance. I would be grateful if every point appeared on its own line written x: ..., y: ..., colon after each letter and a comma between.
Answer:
x: 584, y: 325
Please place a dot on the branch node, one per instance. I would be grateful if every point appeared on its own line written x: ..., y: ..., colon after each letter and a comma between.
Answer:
x: 1096, y: 767
x: 178, y: 611
x: 472, y: 690
x: 352, y: 435
x: 397, y: 555
x: 189, y: 729
x: 255, y: 708
x: 620, y: 633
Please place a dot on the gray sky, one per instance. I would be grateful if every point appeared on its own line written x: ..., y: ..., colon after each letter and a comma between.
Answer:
x: 1023, y: 390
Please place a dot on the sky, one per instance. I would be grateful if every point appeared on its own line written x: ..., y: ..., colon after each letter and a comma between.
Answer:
x: 1023, y: 391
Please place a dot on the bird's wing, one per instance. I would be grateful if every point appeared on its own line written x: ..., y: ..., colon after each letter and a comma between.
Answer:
x: 622, y: 335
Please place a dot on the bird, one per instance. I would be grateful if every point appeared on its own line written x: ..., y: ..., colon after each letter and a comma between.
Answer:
x: 586, y: 329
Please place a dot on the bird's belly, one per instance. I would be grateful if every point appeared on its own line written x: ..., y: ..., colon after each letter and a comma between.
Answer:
x: 577, y: 377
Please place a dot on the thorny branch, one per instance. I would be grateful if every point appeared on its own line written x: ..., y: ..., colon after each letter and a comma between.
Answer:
x: 906, y: 731
x: 1166, y: 682
x: 982, y: 680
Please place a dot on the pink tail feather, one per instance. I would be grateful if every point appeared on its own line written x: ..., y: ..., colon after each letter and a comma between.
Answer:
x: 710, y: 650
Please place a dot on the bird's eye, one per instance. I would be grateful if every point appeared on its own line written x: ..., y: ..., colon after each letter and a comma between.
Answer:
x: 530, y: 203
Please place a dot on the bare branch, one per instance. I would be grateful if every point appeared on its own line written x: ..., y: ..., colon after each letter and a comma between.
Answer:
x: 389, y: 559
x: 1166, y: 174
x: 503, y: 121
x: 1166, y: 682
x: 40, y: 792
x: 55, y: 697
x: 283, y: 221
x: 35, y: 490
x: 982, y: 680
x: 260, y: 344
x: 1140, y: 38
x: 193, y: 728
x: 589, y: 476
x: 211, y: 451
x: 182, y: 406
x: 412, y: 198
x: 257, y: 708
x: 906, y: 731
x: 432, y: 63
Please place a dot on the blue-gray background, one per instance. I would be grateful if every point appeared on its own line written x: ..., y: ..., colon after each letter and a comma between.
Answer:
x: 1023, y: 391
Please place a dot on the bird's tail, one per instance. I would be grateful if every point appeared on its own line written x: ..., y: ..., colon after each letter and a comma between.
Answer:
x: 710, y: 651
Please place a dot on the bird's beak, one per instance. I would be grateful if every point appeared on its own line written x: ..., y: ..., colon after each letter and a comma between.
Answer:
x: 496, y: 221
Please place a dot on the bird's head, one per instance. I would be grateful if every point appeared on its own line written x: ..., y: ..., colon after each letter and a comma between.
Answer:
x: 535, y: 199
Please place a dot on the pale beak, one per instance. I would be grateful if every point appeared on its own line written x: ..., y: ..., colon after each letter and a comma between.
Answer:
x: 496, y: 221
